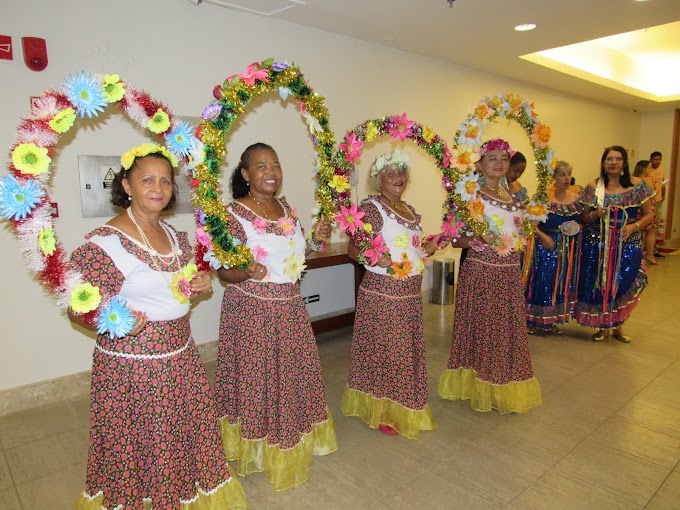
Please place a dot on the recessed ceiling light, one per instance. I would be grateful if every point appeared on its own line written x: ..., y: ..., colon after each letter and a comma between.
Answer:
x: 525, y: 27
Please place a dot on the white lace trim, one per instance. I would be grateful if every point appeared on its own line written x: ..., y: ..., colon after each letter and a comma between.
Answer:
x: 389, y: 296
x: 143, y: 356
x: 256, y: 296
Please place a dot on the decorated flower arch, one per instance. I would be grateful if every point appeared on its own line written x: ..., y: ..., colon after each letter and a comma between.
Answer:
x: 24, y: 191
x: 215, y: 245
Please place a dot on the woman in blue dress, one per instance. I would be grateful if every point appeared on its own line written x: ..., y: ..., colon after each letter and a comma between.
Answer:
x: 616, y: 207
x: 553, y: 273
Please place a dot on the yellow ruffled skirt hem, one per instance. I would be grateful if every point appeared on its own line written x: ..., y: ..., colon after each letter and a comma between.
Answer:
x: 228, y: 495
x: 376, y: 411
x: 512, y: 397
x: 282, y: 468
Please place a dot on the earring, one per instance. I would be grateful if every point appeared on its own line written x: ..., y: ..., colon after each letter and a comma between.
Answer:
x: 129, y: 198
x: 621, y: 172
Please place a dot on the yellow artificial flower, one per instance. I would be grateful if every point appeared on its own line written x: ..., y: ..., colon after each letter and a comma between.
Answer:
x: 85, y: 298
x: 368, y: 227
x: 402, y: 240
x: 145, y: 149
x: 159, y: 123
x: 114, y: 89
x: 28, y: 158
x: 340, y: 183
x: 46, y: 241
x: 181, y: 283
x: 420, y: 266
x: 371, y: 132
x: 428, y: 134
x: 63, y: 120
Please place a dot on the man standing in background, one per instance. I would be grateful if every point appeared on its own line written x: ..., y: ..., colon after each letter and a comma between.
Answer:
x: 654, y: 176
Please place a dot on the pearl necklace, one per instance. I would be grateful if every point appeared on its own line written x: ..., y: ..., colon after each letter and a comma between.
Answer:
x: 154, y: 254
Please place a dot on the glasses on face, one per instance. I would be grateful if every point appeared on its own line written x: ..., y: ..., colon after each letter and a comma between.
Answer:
x: 614, y: 160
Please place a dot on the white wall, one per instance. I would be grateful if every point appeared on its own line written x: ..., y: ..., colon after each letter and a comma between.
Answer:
x: 179, y: 52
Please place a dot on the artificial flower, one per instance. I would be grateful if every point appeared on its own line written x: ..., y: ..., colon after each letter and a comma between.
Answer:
x: 115, y: 318
x: 196, y: 153
x: 494, y: 102
x: 528, y: 109
x: 114, y: 89
x: 415, y: 241
x: 339, y: 183
x: 128, y: 159
x: 86, y: 93
x: 284, y: 92
x: 63, y: 121
x: 159, y: 123
x: 446, y: 158
x: 252, y: 73
x: 352, y: 147
x: 203, y: 238
x: 375, y: 250
x: 541, y: 135
x: 212, y: 111
x: 85, y: 298
x: 476, y: 208
x: 520, y: 243
x: 371, y: 132
x: 280, y: 66
x: 17, y: 200
x: 505, y: 244
x: 293, y: 266
x: 402, y: 269
x: 212, y: 260
x: 394, y: 159
x: 468, y: 186
x: 496, y: 223
x: 368, y: 227
x: 514, y: 101
x: 421, y: 265
x: 477, y: 245
x: 482, y: 111
x: 181, y: 283
x: 180, y: 139
x: 259, y: 253
x: 46, y: 241
x: 451, y: 226
x: 287, y: 225
x: 463, y: 158
x: 28, y: 158
x: 470, y: 133
x: 260, y: 224
x: 402, y: 128
x: 548, y: 160
x: 312, y: 122
x: 401, y: 241
x: 536, y: 211
x: 428, y: 134
x: 350, y: 218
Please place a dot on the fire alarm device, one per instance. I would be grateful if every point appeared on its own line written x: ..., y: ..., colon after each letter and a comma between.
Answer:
x: 35, y: 53
x: 6, y: 47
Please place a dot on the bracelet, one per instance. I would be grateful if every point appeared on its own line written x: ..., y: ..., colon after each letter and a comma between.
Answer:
x: 316, y: 246
x: 637, y: 225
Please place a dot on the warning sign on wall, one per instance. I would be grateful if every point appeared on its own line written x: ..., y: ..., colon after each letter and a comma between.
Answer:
x: 6, y: 47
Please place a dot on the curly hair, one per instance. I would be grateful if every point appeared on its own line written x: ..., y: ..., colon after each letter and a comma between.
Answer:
x: 119, y: 196
x: 239, y: 186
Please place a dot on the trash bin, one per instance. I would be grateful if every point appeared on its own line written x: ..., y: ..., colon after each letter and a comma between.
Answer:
x: 443, y: 279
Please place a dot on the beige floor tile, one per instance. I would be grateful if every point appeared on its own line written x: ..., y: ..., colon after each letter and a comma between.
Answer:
x: 668, y: 496
x: 621, y: 473
x: 434, y: 491
x: 491, y: 468
x: 540, y: 441
x: 9, y: 499
x: 55, y: 491
x: 662, y: 390
x: 6, y: 480
x: 640, y: 440
x: 558, y: 490
x: 658, y: 415
x: 37, y: 423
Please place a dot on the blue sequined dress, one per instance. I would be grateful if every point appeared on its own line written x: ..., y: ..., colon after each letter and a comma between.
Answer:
x: 607, y: 310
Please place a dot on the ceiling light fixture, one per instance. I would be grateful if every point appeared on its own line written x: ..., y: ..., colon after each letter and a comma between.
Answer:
x: 525, y: 27
x: 450, y: 2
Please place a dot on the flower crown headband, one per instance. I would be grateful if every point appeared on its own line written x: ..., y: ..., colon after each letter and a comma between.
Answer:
x: 496, y: 144
x: 395, y: 158
x: 128, y: 159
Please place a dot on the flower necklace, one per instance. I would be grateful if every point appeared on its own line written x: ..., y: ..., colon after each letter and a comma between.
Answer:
x: 180, y: 284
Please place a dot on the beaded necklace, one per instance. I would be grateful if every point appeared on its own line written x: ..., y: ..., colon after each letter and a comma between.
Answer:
x: 154, y: 254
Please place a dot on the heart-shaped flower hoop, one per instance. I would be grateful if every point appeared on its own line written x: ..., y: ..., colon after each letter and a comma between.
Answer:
x: 24, y: 192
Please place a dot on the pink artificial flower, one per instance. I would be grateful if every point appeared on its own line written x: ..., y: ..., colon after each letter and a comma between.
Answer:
x: 259, y: 253
x: 506, y: 245
x: 447, y: 157
x: 184, y: 287
x: 517, y: 221
x: 402, y: 128
x: 377, y: 248
x: 253, y: 73
x: 260, y: 224
x: 451, y: 226
x: 203, y: 238
x: 477, y: 245
x: 352, y: 147
x: 415, y: 241
x: 287, y: 225
x: 350, y: 218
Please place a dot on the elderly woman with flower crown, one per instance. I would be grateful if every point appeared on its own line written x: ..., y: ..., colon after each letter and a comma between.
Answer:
x: 616, y: 208
x: 268, y: 381
x: 490, y: 364
x: 154, y: 434
x: 387, y: 385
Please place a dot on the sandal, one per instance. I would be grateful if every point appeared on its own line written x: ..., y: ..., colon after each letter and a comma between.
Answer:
x: 599, y: 336
x: 618, y: 334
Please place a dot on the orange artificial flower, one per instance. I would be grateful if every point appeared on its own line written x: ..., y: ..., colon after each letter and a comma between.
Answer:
x: 476, y: 208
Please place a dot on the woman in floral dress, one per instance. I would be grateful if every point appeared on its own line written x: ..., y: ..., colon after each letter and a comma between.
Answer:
x: 616, y: 208
x: 269, y: 386
x: 154, y: 434
x: 387, y: 385
x: 490, y: 364
x: 553, y: 269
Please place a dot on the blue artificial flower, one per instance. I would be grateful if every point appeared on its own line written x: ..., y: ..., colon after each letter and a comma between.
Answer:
x: 18, y: 200
x: 212, y: 111
x: 86, y: 93
x: 284, y: 92
x: 200, y: 215
x: 209, y: 257
x: 529, y: 112
x: 115, y: 318
x: 180, y: 139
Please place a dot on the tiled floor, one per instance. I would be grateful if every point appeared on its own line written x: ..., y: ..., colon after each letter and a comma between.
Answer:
x: 606, y: 437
